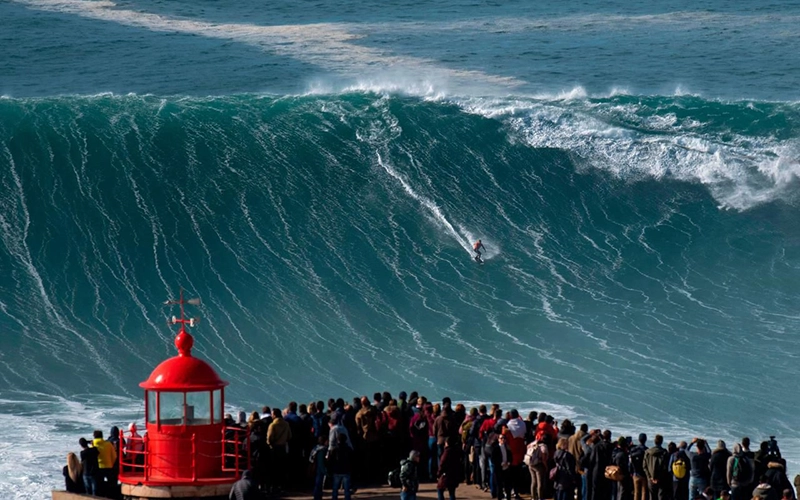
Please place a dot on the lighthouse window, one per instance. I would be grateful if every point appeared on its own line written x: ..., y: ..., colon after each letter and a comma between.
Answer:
x: 218, y: 411
x: 198, y: 408
x: 152, y: 409
x: 171, y: 408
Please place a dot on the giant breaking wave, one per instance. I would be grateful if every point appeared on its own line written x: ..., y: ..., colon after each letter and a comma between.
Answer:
x: 643, y: 252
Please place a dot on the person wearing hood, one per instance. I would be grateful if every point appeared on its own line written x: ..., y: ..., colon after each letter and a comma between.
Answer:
x: 740, y: 471
x: 765, y: 491
x: 114, y: 439
x: 656, y: 468
x: 409, y: 477
x: 776, y: 476
x: 718, y: 463
x: 245, y: 488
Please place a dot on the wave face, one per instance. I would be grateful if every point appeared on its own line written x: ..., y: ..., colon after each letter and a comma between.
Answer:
x: 643, y: 253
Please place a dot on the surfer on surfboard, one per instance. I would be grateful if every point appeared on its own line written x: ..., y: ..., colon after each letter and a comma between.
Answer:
x: 477, y: 247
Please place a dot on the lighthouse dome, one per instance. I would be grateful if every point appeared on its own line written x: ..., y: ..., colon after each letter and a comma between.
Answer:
x: 183, y: 373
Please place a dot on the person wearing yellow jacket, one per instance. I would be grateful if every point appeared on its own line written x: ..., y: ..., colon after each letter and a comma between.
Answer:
x: 106, y: 458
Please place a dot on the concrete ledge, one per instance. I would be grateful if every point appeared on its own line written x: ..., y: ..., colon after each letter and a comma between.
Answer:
x: 206, y: 491
x: 63, y: 495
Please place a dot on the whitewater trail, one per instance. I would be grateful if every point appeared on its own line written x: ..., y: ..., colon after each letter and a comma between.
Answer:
x: 463, y: 237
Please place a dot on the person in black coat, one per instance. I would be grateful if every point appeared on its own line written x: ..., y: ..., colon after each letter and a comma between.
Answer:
x: 619, y: 457
x: 566, y: 477
x: 89, y: 467
x: 501, y: 463
x: 599, y: 459
x: 245, y: 488
x: 718, y: 463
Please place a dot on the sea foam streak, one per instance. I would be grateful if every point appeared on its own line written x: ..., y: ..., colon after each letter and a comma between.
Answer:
x: 327, y: 45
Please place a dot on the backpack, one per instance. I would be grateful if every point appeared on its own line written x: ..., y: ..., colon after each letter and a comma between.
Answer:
x: 679, y: 467
x: 537, y: 454
x: 394, y: 478
x: 741, y: 469
x: 490, y: 438
x: 637, y: 459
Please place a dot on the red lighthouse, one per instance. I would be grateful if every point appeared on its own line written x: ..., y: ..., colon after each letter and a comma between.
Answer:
x: 188, y: 451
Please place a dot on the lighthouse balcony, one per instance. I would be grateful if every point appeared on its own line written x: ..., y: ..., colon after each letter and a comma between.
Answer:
x: 207, y: 456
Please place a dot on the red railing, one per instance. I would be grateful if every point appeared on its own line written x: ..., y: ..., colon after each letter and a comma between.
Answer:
x: 141, y: 458
x: 234, y: 454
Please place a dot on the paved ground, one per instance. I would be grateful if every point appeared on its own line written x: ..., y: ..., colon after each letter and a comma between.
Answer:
x: 427, y: 491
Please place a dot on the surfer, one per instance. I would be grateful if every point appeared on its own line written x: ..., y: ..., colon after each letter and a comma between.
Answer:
x: 477, y: 247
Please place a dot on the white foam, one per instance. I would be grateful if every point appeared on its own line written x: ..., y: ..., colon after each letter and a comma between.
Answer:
x: 739, y: 171
x: 430, y: 206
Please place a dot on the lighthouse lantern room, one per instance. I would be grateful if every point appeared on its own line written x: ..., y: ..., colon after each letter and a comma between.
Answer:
x: 187, y: 441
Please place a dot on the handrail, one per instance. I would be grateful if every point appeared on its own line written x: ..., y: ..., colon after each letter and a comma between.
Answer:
x: 134, y: 468
x: 240, y: 436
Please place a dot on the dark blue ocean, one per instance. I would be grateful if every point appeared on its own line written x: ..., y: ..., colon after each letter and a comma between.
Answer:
x: 317, y: 171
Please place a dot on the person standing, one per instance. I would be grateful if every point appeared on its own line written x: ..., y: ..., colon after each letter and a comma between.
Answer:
x: 718, y: 463
x: 656, y: 469
x: 740, y: 474
x: 620, y: 458
x: 89, y: 467
x: 341, y: 467
x: 409, y: 476
x: 700, y: 472
x: 637, y: 469
x: 450, y: 469
x: 599, y: 459
x: 680, y: 466
x: 106, y: 458
x: 278, y: 436
x: 566, y: 467
x: 501, y: 463
x: 538, y: 457
x: 576, y: 450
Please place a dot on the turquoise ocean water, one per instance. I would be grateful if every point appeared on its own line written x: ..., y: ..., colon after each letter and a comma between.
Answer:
x: 317, y: 171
